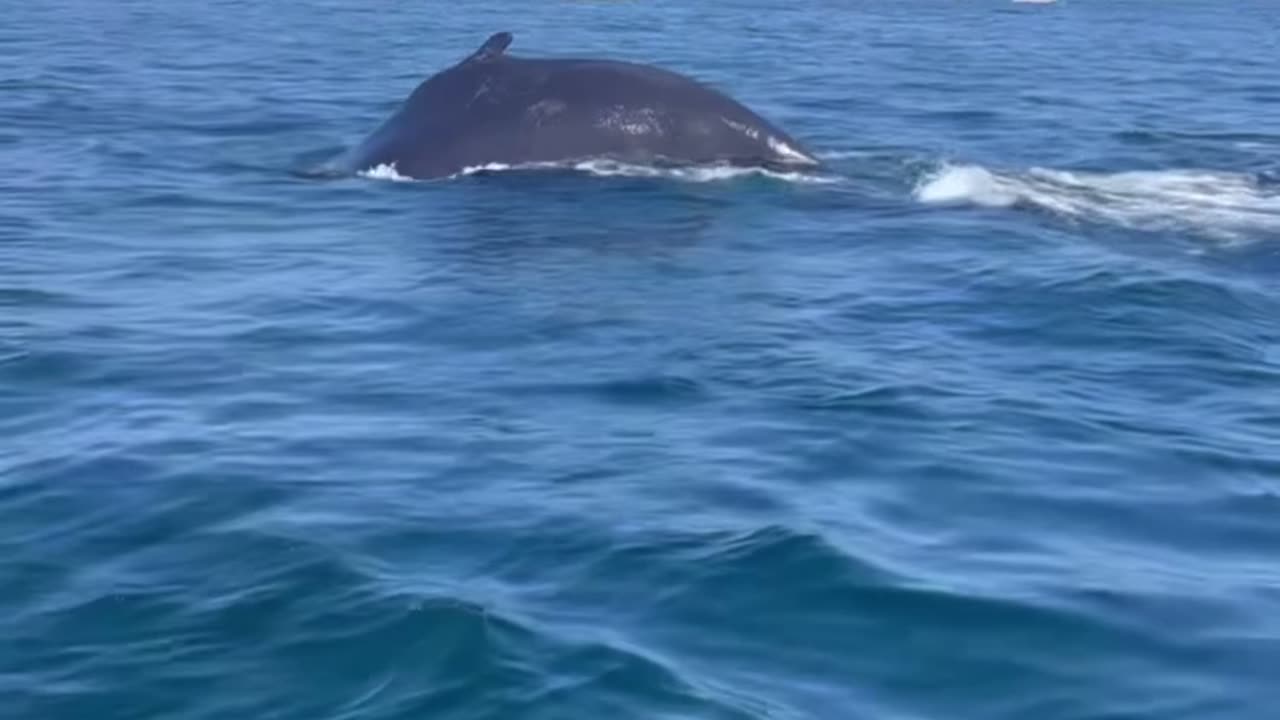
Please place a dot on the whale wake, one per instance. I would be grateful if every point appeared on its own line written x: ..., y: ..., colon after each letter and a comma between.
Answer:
x: 1228, y: 206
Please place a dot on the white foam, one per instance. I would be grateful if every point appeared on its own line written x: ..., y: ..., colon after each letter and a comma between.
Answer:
x: 1226, y: 205
x: 487, y: 167
x: 611, y: 168
x: 696, y: 173
x: 969, y: 183
x: 385, y: 172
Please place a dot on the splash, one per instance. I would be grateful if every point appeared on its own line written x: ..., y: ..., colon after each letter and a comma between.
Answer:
x: 385, y: 172
x: 971, y: 184
x: 1228, y: 206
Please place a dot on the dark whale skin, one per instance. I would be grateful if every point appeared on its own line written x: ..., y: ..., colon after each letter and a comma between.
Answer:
x: 495, y: 109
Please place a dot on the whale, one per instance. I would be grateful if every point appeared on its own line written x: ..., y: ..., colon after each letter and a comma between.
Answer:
x: 495, y: 109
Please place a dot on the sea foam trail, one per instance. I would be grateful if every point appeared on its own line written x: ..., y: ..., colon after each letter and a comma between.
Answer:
x: 1230, y: 206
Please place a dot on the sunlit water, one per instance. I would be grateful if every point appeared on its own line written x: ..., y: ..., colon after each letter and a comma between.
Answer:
x: 982, y: 421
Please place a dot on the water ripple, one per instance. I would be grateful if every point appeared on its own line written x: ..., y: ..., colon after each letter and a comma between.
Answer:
x: 976, y: 423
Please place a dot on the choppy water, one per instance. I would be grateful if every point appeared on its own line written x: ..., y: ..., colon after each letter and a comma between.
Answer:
x: 984, y: 423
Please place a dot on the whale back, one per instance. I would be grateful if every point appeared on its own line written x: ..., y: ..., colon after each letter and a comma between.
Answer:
x: 493, y: 107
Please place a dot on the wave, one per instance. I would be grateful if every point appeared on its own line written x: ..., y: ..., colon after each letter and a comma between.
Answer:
x: 1228, y: 206
x: 613, y: 168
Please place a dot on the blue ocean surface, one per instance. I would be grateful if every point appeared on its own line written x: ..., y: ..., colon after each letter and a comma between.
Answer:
x: 980, y: 422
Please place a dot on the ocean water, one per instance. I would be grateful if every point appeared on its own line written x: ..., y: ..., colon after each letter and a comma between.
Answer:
x: 982, y: 422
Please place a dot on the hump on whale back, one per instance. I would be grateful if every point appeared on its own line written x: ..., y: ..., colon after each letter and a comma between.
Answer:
x: 492, y: 48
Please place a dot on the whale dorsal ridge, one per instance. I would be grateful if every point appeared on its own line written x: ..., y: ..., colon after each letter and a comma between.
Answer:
x: 493, y: 47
